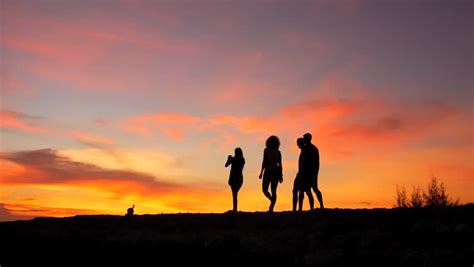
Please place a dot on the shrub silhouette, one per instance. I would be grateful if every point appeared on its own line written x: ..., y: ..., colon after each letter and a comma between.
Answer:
x: 416, y: 197
x: 434, y: 196
x: 401, y: 198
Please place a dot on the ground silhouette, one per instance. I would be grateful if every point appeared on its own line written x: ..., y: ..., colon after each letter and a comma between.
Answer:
x: 329, y: 237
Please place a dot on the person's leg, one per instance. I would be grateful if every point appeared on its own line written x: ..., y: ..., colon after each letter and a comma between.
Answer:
x: 310, y: 198
x: 300, y: 203
x: 234, y: 197
x: 265, y: 185
x: 304, y: 185
x: 318, y: 193
x: 295, y: 193
x: 235, y: 191
x: 273, y: 186
x: 234, y: 200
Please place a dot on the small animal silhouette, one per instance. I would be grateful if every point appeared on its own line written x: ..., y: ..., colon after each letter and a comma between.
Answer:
x: 130, y: 210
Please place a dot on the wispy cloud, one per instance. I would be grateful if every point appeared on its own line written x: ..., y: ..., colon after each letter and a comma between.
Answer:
x: 340, y: 124
x: 7, y: 213
x: 19, y: 211
x: 171, y: 124
x: 19, y: 121
x: 47, y: 166
x: 91, y: 139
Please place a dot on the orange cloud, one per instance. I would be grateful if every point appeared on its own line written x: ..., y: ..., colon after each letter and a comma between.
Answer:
x: 16, y: 120
x: 246, y: 124
x: 174, y: 134
x: 343, y: 126
x: 19, y: 211
x: 8, y: 214
x: 90, y: 139
x: 171, y: 124
x: 48, y: 169
x: 46, y: 166
x: 20, y: 121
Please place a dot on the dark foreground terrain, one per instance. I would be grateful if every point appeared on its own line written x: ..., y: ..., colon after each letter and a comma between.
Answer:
x: 335, y: 237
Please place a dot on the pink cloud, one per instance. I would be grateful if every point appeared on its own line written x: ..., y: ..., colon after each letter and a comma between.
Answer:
x: 67, y: 51
x: 18, y: 121
x: 11, y: 83
x: 345, y: 116
x: 100, y: 122
x: 83, y: 55
x: 168, y: 46
x: 246, y: 125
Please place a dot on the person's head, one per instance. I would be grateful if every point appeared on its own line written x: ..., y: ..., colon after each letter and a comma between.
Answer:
x: 273, y: 142
x: 300, y: 142
x: 307, y: 138
x: 238, y: 153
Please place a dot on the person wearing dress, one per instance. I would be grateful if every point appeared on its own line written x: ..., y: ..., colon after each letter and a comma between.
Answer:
x: 236, y: 177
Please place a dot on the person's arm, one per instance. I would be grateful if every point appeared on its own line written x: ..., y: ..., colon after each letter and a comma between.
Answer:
x: 281, y: 166
x: 317, y: 159
x: 229, y: 161
x: 263, y: 164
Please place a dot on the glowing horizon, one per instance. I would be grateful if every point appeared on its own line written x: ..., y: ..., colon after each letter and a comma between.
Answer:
x: 105, y: 105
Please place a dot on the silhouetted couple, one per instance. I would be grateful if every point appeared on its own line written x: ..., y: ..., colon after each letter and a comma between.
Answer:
x: 307, y: 176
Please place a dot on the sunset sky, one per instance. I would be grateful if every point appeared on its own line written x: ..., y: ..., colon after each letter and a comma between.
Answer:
x: 105, y: 104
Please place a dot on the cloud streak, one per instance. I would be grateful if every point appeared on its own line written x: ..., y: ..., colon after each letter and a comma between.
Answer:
x: 18, y: 211
x: 19, y: 121
x: 47, y: 166
x: 340, y: 125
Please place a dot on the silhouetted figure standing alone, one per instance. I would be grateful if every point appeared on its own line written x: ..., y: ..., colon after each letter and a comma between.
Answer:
x: 130, y: 211
x: 236, y: 177
x: 272, y: 169
x: 303, y: 181
x: 314, y: 163
x: 129, y: 214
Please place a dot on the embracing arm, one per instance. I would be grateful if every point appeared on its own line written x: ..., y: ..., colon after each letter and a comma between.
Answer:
x: 263, y: 165
x: 229, y: 161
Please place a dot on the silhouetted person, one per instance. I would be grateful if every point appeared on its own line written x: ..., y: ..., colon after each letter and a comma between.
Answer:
x: 129, y: 214
x: 236, y: 177
x: 130, y: 211
x: 302, y: 182
x: 297, y: 181
x: 314, y: 170
x: 272, y: 169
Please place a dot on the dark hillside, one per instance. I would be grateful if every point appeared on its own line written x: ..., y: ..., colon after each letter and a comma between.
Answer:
x: 333, y: 237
